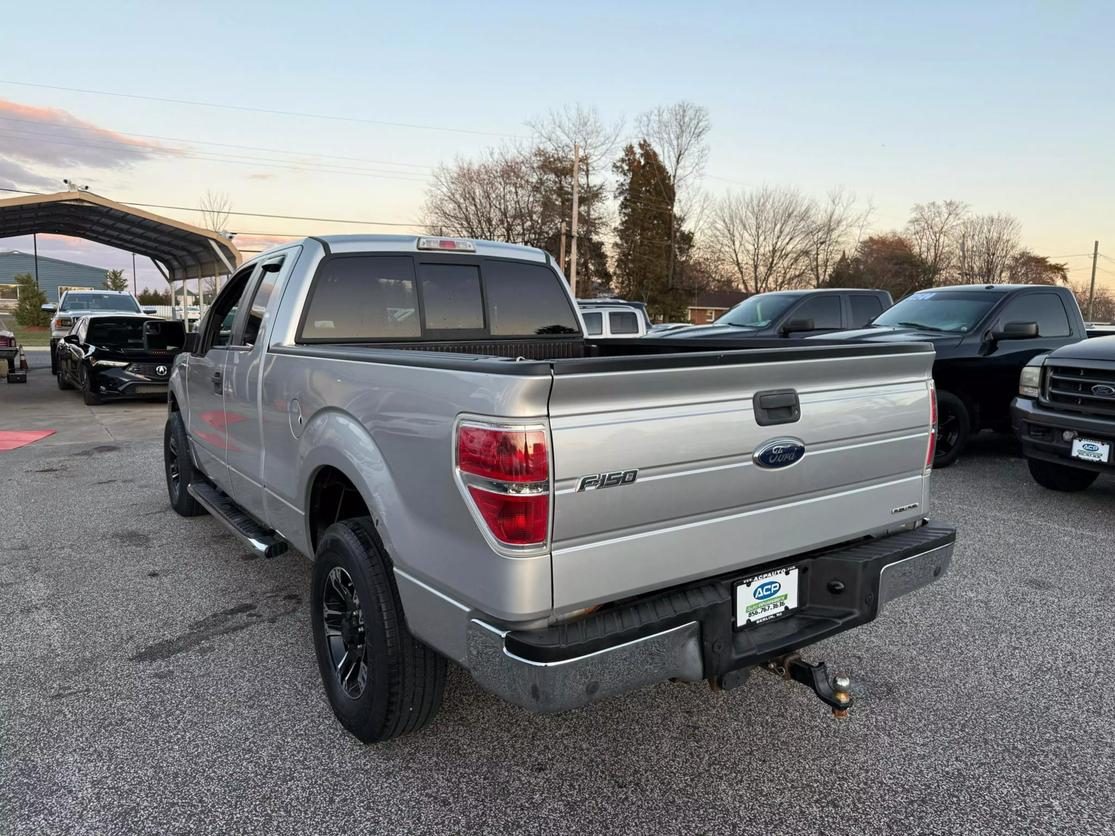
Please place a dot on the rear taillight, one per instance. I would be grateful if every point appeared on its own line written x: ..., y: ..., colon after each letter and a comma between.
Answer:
x: 932, y: 449
x: 505, y: 472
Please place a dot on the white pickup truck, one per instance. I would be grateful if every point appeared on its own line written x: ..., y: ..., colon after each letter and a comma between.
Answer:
x: 566, y: 518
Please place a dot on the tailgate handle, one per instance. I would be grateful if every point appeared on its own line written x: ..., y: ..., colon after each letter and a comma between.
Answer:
x: 779, y: 406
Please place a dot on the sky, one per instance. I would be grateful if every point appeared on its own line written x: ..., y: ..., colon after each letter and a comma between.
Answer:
x: 341, y: 110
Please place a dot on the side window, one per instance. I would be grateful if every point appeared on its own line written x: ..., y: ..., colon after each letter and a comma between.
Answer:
x: 594, y: 323
x: 864, y: 309
x: 451, y: 298
x: 365, y: 297
x: 258, y: 306
x: 823, y: 309
x: 623, y: 322
x: 525, y: 299
x: 1046, y: 309
x: 710, y: 315
x: 218, y: 328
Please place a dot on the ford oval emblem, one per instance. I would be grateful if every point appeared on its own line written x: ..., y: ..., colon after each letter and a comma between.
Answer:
x: 767, y: 589
x: 1103, y: 390
x: 782, y: 452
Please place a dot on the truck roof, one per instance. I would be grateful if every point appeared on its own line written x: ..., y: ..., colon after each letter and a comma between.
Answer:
x: 409, y: 243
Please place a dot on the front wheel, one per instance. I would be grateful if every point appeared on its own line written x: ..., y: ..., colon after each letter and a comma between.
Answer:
x: 63, y: 383
x: 381, y: 681
x: 1060, y: 477
x: 54, y: 357
x: 953, y: 428
x: 179, y: 467
x: 88, y: 388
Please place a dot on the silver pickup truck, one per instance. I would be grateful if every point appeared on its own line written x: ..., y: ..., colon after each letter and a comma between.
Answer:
x: 477, y: 481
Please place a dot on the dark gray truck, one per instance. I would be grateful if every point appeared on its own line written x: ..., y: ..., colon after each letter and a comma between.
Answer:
x: 567, y: 519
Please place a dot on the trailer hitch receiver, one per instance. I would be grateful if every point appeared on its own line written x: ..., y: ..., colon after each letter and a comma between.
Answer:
x: 833, y: 691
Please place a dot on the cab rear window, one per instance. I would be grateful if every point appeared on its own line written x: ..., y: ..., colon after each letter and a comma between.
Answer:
x: 365, y: 298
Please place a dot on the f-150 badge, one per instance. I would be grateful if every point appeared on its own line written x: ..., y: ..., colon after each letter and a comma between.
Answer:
x: 607, y: 480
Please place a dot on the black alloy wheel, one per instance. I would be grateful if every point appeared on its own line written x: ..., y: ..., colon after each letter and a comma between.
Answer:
x: 345, y: 635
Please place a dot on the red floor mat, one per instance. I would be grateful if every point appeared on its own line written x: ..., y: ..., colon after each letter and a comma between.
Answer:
x: 11, y: 439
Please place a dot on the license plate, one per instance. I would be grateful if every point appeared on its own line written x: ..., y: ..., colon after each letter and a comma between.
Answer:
x: 150, y: 390
x: 1091, y: 451
x: 766, y: 596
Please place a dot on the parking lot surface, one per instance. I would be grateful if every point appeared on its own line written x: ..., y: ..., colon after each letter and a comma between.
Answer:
x: 156, y: 677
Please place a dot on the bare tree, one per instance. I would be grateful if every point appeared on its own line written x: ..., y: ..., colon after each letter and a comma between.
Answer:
x: 987, y: 244
x: 764, y: 235
x: 838, y: 224
x: 933, y: 229
x: 216, y: 209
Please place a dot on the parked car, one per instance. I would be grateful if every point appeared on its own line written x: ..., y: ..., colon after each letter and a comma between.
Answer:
x: 115, y: 356
x: 1065, y: 414
x: 615, y: 319
x: 566, y: 518
x: 74, y: 303
x: 793, y: 313
x: 983, y: 335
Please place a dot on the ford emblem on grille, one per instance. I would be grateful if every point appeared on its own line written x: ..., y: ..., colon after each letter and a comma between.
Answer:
x: 781, y: 452
x: 1102, y: 390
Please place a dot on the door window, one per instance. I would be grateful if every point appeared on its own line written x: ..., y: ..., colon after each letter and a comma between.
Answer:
x: 594, y: 323
x: 222, y: 315
x: 864, y: 309
x: 823, y: 309
x: 254, y: 319
x: 1046, y: 309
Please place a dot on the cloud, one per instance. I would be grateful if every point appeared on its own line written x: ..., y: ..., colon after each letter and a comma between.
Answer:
x: 39, y: 136
x: 14, y: 175
x: 255, y: 243
x: 261, y: 175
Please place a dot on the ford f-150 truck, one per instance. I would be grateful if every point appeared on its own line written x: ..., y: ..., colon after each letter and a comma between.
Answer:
x: 567, y: 519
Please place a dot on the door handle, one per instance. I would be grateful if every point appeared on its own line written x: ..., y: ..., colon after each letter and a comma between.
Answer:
x: 216, y: 378
x: 779, y: 406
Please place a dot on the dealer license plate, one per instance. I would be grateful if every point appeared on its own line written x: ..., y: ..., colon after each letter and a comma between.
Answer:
x: 766, y: 596
x: 1091, y: 451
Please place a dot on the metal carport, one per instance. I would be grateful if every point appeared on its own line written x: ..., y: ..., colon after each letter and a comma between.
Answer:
x: 179, y: 250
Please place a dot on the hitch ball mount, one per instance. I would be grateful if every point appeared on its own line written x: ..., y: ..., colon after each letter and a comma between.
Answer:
x: 832, y: 691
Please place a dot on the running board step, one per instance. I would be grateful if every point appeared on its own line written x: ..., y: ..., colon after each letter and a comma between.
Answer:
x: 263, y: 541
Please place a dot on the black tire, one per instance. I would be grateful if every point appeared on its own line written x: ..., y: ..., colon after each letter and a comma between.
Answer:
x: 387, y: 683
x: 1060, y: 477
x: 954, y: 426
x: 179, y: 468
x: 63, y: 383
x: 88, y: 395
x: 54, y: 357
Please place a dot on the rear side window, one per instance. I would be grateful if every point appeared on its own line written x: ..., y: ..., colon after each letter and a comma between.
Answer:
x: 451, y: 299
x: 824, y: 310
x: 526, y: 299
x: 623, y: 322
x: 864, y: 309
x: 594, y: 323
x: 364, y: 297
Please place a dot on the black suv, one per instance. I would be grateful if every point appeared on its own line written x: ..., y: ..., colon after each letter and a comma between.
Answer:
x: 792, y: 313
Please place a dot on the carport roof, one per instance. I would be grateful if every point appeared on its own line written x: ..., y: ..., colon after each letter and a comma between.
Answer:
x: 182, y: 250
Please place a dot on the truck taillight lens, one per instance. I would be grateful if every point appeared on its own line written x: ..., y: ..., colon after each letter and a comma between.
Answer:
x: 931, y: 451
x: 505, y: 473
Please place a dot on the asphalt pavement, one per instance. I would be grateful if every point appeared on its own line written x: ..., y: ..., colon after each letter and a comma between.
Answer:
x: 154, y: 677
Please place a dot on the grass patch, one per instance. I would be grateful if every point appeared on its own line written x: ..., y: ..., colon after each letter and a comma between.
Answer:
x: 26, y: 337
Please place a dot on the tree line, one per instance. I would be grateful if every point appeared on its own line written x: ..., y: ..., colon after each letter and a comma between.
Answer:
x: 648, y: 231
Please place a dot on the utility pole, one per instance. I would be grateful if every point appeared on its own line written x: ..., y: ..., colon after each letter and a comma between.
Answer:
x: 35, y: 244
x: 134, y: 291
x: 1092, y: 291
x: 561, y: 250
x: 576, y: 211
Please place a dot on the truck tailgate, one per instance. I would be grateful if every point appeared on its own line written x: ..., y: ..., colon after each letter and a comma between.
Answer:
x: 699, y: 504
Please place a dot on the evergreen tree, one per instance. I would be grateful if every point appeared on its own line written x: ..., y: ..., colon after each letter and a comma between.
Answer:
x: 147, y: 296
x: 29, y: 311
x: 115, y: 280
x: 646, y: 221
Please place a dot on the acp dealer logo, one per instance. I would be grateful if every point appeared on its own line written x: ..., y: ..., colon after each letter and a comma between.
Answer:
x: 766, y: 590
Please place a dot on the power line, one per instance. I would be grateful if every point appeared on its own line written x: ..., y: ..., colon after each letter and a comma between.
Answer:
x: 264, y: 110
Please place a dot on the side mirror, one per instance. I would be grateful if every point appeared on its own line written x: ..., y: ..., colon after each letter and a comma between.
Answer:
x: 72, y: 339
x: 796, y: 326
x: 1016, y: 331
x: 164, y: 335
x: 191, y: 342
x: 150, y: 310
x: 50, y: 307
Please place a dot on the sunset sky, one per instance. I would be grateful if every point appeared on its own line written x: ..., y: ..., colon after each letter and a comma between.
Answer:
x: 338, y: 110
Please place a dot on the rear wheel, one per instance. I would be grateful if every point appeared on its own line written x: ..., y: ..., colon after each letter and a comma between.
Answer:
x: 179, y: 467
x: 953, y: 428
x: 381, y: 681
x: 1060, y: 477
